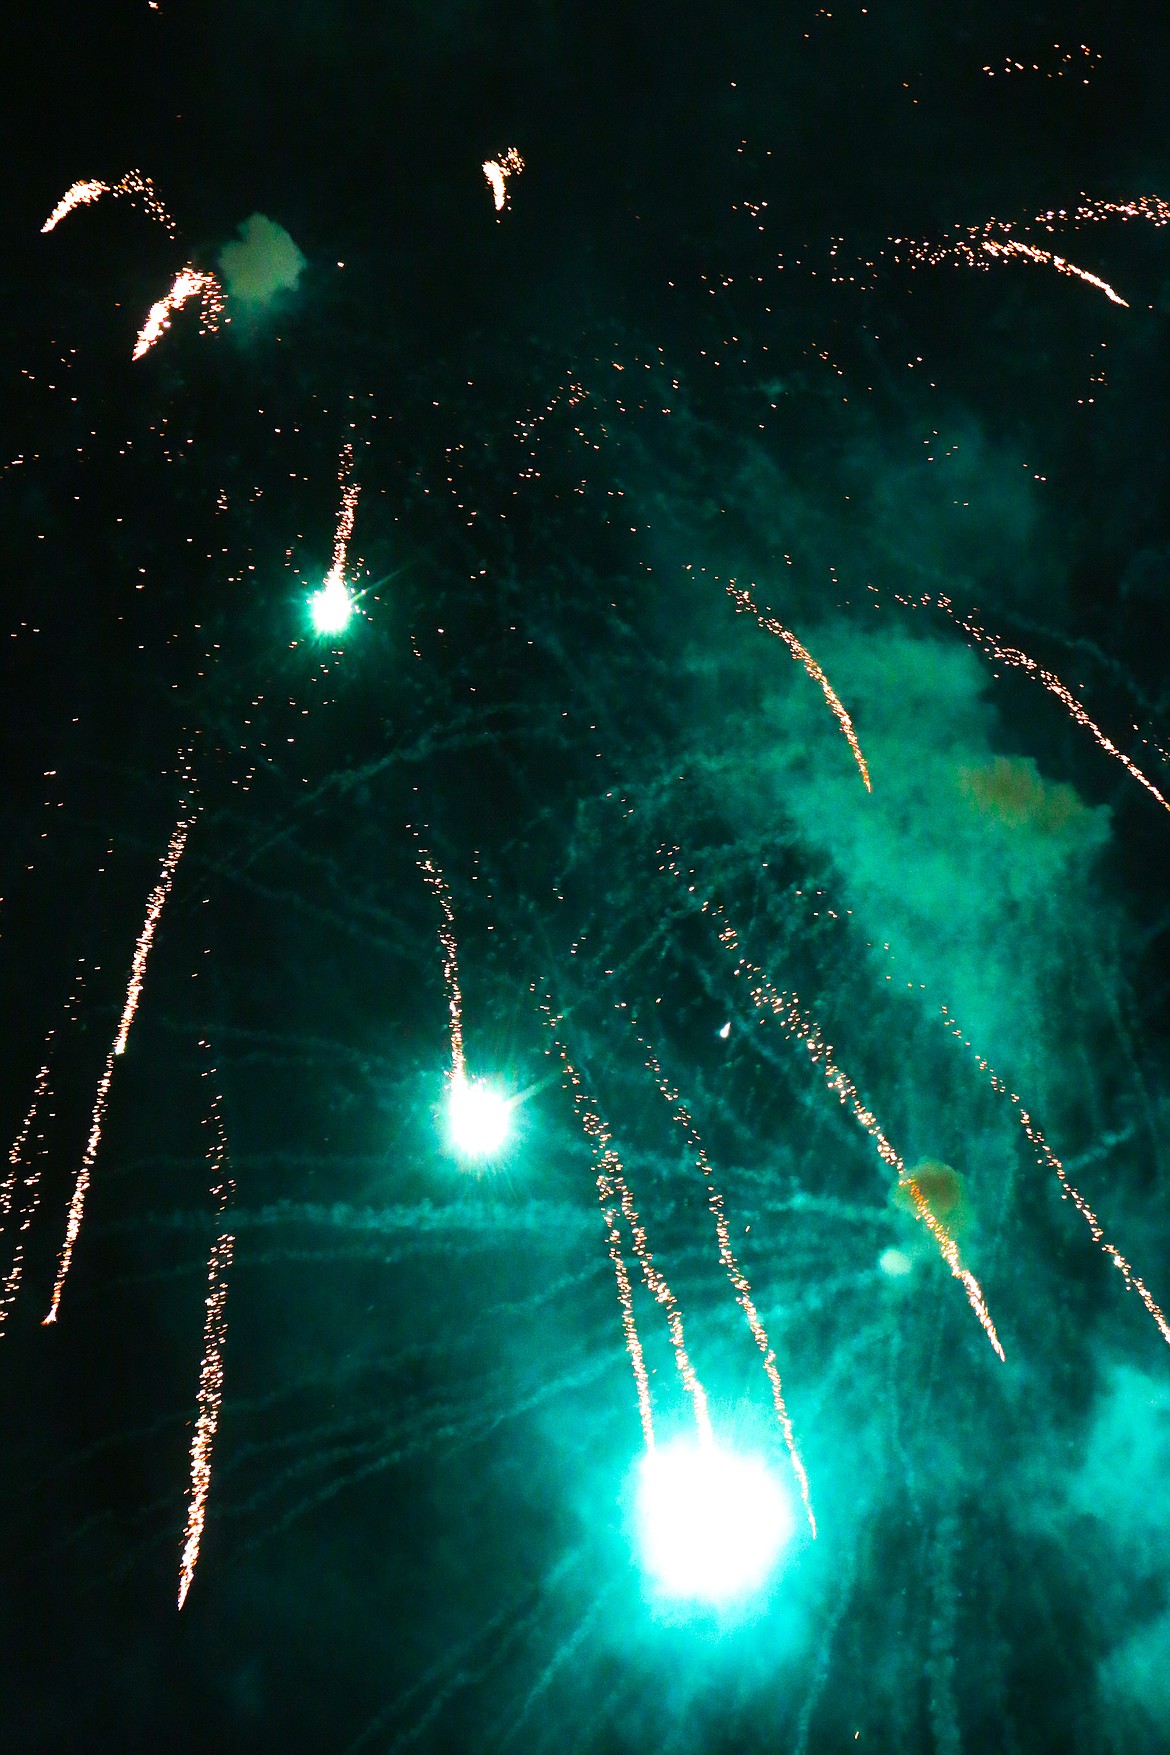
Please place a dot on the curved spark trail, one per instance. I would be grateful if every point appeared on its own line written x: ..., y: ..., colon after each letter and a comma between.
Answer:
x: 438, y: 886
x: 1048, y: 1159
x: 1018, y: 660
x: 187, y: 283
x: 1031, y: 253
x: 154, y: 908
x: 214, y: 1335
x: 738, y: 1280
x: 746, y: 606
x: 134, y: 186
x: 610, y: 1180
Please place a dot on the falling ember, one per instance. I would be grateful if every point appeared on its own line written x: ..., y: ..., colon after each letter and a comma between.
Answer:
x: 786, y: 1007
x: 210, y: 1394
x: 1011, y: 655
x: 738, y: 1280
x: 154, y: 908
x: 437, y: 884
x: 1030, y: 253
x: 1048, y: 1159
x: 133, y: 186
x: 332, y: 604
x: 187, y: 283
x: 745, y: 606
x: 496, y: 173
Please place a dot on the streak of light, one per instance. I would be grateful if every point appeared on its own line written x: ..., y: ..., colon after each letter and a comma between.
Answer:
x: 496, y: 173
x: 210, y: 1394
x: 154, y: 908
x: 438, y: 886
x: 134, y: 186
x: 1030, y: 253
x: 1047, y: 1159
x: 187, y: 283
x: 1018, y: 660
x: 745, y: 605
x: 787, y: 1009
x: 334, y: 593
x: 611, y: 1180
x: 735, y: 1274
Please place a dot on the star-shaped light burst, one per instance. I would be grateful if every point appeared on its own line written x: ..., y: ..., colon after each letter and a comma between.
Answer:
x: 479, y: 1117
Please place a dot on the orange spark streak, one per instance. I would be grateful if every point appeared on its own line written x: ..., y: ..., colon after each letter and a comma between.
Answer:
x: 1048, y: 1159
x: 210, y: 1394
x: 611, y: 1178
x: 496, y: 173
x: 1018, y: 660
x: 786, y: 1007
x: 1030, y: 252
x: 437, y: 884
x: 187, y: 283
x: 154, y: 908
x: 745, y: 606
x: 134, y: 186
x: 738, y: 1280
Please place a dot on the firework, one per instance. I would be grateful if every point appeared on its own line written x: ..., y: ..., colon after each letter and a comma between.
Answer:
x: 154, y: 908
x: 134, y: 187
x: 1018, y: 660
x: 746, y: 606
x: 210, y: 1394
x: 735, y: 1274
x: 332, y: 605
x: 187, y: 283
x: 496, y: 173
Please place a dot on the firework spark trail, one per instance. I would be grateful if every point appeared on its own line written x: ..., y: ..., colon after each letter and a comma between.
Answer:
x: 437, y: 884
x: 1031, y: 253
x: 187, y: 283
x: 737, y: 1278
x: 611, y: 1179
x: 349, y: 499
x: 496, y: 173
x: 746, y: 606
x: 134, y: 186
x: 1018, y: 660
x: 210, y: 1394
x: 1048, y: 1159
x: 786, y: 1007
x: 16, y: 1150
x: 154, y: 908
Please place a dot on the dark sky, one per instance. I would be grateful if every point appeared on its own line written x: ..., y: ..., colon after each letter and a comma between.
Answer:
x: 702, y: 347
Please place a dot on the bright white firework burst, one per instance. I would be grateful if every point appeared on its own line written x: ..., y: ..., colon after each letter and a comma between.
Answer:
x: 712, y: 1522
x: 479, y: 1117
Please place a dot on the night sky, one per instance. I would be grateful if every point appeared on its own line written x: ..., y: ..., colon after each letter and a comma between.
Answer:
x: 810, y: 384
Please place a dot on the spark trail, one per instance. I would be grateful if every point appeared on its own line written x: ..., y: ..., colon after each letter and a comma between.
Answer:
x: 1018, y: 660
x: 611, y: 1181
x: 738, y: 1280
x: 210, y: 1394
x: 496, y: 172
x: 745, y: 605
x: 787, y: 1008
x: 438, y: 886
x: 134, y: 186
x: 154, y: 908
x: 1047, y: 1159
x: 187, y: 283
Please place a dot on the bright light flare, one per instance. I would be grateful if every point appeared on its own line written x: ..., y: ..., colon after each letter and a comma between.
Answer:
x: 479, y: 1117
x: 712, y: 1523
x: 331, y: 606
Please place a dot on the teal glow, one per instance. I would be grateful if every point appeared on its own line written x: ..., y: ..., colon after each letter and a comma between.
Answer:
x: 479, y: 1117
x: 331, y: 606
x: 712, y: 1523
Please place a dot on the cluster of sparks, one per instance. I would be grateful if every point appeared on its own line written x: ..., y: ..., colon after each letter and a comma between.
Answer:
x: 613, y: 1193
x: 187, y: 283
x: 496, y: 172
x: 154, y: 908
x: 134, y: 187
x: 210, y: 1393
x: 332, y: 603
